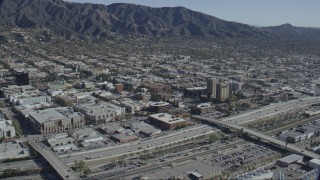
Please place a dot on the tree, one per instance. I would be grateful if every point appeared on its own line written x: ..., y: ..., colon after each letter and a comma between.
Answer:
x: 240, y: 133
x: 86, y: 171
x: 213, y: 138
x: 52, y: 77
x: 81, y: 167
x: 2, y: 105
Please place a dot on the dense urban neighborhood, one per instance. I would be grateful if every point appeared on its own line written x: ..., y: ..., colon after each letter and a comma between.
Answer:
x: 156, y: 107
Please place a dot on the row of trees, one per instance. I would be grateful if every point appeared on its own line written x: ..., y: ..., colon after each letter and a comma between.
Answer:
x: 81, y: 168
x: 16, y: 172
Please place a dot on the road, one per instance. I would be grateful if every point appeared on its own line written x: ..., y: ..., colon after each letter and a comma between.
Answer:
x: 103, y: 175
x: 64, y: 171
x: 139, y: 146
x: 150, y: 167
x: 292, y: 125
x: 272, y: 110
x: 282, y: 144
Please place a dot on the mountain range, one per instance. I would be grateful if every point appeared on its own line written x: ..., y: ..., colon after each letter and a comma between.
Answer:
x: 69, y: 19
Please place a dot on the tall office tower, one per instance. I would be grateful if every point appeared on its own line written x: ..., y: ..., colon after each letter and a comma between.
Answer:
x: 212, y: 87
x: 222, y: 91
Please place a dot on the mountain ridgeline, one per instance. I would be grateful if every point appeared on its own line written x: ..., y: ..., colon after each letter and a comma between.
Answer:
x: 69, y: 19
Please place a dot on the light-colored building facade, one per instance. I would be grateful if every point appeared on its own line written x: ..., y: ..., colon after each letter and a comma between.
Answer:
x: 65, y: 148
x: 60, y: 141
x: 6, y: 128
x: 203, y: 108
x: 25, y: 100
x: 131, y: 106
x: 56, y: 120
x: 100, y: 112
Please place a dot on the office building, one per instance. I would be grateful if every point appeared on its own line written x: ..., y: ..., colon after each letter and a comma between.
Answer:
x: 22, y: 78
x: 212, y: 87
x: 56, y: 120
x: 222, y: 92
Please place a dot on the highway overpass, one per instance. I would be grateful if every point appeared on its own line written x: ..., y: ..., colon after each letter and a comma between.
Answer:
x: 64, y: 171
x: 138, y: 146
x: 277, y: 142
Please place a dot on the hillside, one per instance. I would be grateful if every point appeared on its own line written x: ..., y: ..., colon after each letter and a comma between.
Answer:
x: 93, y: 20
x: 67, y: 18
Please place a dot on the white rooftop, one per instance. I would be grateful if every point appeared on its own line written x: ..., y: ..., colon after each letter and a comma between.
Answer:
x: 54, y: 114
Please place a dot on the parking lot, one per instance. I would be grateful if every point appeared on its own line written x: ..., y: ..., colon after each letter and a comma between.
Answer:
x: 240, y: 156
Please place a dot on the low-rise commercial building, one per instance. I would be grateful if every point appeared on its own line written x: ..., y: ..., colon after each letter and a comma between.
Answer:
x: 285, y: 161
x: 6, y: 128
x: 123, y: 138
x: 13, y: 150
x: 29, y: 98
x: 87, y: 136
x: 143, y: 128
x: 313, y: 111
x: 56, y: 120
x: 131, y: 106
x: 167, y: 121
x: 314, y: 163
x: 204, y: 108
x: 180, y: 113
x: 65, y: 148
x: 159, y: 107
x: 111, y: 128
x: 60, y: 141
x: 11, y: 91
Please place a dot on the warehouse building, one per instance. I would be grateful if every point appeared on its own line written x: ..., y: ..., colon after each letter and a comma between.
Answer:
x: 286, y: 161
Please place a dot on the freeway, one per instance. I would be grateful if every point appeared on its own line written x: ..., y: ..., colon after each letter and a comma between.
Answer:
x: 150, y: 167
x: 139, y: 146
x: 282, y: 144
x: 272, y: 110
x: 103, y: 175
x: 292, y: 125
x: 64, y: 171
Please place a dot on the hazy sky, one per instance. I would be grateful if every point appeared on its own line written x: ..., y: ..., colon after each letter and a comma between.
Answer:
x: 253, y: 12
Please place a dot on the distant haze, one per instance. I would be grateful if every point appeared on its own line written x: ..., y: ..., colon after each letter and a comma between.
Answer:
x: 252, y: 12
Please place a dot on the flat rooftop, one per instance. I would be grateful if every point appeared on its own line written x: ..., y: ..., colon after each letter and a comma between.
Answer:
x: 93, y: 108
x: 11, y: 146
x: 291, y: 158
x: 54, y: 114
x: 168, y: 118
